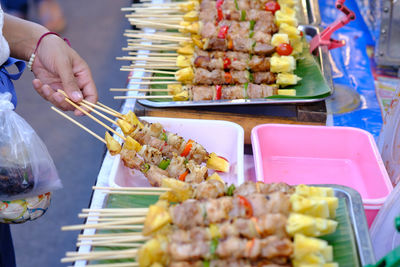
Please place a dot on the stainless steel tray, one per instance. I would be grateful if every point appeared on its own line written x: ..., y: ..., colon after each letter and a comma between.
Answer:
x: 323, y: 58
x: 358, y: 221
x: 309, y: 13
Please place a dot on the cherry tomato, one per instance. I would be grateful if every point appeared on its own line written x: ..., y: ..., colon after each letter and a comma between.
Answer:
x: 272, y: 7
x: 227, y: 63
x: 220, y: 14
x: 223, y: 31
x: 218, y: 93
x: 284, y: 49
x: 228, y: 77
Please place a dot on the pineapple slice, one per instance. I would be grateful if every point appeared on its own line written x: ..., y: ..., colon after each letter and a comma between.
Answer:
x: 188, y: 6
x: 333, y: 204
x: 112, y: 145
x: 282, y: 17
x: 174, y: 88
x: 282, y: 63
x: 279, y: 38
x: 157, y: 217
x: 310, y: 250
x: 314, y: 191
x: 182, y: 96
x: 132, y: 144
x: 217, y: 163
x: 191, y: 16
x: 184, y: 75
x: 309, y: 226
x: 309, y: 206
x: 186, y: 50
x: 125, y: 126
x: 132, y: 119
x: 197, y: 41
x: 289, y: 92
x: 181, y: 190
x: 182, y: 61
x: 152, y: 252
x: 287, y: 79
x: 291, y: 31
x: 215, y: 176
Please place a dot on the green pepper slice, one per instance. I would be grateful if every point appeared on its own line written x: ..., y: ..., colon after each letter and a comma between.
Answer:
x: 164, y: 164
x: 243, y: 15
x: 232, y: 187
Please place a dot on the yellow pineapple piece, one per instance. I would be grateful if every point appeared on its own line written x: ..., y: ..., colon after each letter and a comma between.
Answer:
x: 282, y: 17
x: 186, y: 50
x: 112, y: 145
x: 297, y: 46
x: 153, y: 251
x: 174, y: 88
x: 309, y: 226
x: 184, y: 75
x: 279, y: 38
x: 217, y: 163
x: 182, y: 96
x: 288, y: 2
x: 182, y: 61
x: 186, y: 7
x: 132, y: 119
x: 215, y: 176
x: 214, y: 231
x: 311, y: 250
x: 197, y: 41
x: 132, y: 144
x: 314, y: 191
x: 156, y: 218
x: 181, y: 190
x: 125, y: 126
x: 291, y: 31
x: 282, y: 63
x: 287, y: 79
x: 309, y: 206
x: 191, y: 16
x: 289, y: 92
x: 333, y: 204
x: 325, y: 226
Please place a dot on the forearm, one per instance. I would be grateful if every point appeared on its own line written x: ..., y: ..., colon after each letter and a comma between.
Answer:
x: 22, y: 36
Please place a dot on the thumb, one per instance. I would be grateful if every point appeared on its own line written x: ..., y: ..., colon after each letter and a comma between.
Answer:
x: 69, y: 83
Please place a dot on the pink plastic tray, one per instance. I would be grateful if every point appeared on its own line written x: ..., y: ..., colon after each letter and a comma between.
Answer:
x: 321, y: 155
x: 222, y: 137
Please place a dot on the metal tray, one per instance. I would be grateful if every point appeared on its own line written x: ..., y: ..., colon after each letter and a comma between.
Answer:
x: 309, y: 13
x: 358, y: 221
x: 322, y: 57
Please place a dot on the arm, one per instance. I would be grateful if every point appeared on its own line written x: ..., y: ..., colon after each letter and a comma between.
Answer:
x: 56, y: 66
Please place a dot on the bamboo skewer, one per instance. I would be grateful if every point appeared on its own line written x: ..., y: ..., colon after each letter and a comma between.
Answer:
x: 138, y: 90
x: 153, y: 78
x: 122, y: 214
x: 150, y: 83
x: 143, y: 97
x: 111, y: 210
x: 149, y: 66
x: 154, y: 54
x: 110, y: 109
x: 124, y: 264
x: 112, y: 244
x: 163, y: 189
x: 108, y: 225
x: 100, y: 255
x: 157, y: 59
x: 119, y: 239
x: 107, y: 236
x: 163, y: 47
x: 101, y: 108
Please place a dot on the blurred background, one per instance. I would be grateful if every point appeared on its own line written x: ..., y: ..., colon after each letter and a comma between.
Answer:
x: 95, y: 29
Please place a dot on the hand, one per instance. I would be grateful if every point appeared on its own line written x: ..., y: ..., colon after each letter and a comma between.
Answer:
x: 57, y: 66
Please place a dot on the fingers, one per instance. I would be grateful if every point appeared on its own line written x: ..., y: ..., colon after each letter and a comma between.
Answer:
x: 69, y: 82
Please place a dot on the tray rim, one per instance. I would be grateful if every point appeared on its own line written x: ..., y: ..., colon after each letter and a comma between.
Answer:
x: 323, y: 56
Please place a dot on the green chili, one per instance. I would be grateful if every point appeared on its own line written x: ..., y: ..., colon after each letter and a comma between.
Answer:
x: 252, y: 23
x: 206, y: 263
x: 243, y: 15
x: 236, y: 5
x: 164, y: 136
x: 213, y: 247
x: 145, y: 168
x: 251, y: 34
x: 164, y: 164
x: 232, y: 187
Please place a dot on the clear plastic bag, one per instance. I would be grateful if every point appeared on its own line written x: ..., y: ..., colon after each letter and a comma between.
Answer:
x: 26, y: 168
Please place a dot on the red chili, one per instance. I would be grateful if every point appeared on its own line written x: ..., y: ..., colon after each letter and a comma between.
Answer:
x: 247, y: 205
x: 272, y: 7
x: 284, y: 49
x: 219, y: 3
x: 187, y: 148
x: 220, y: 14
x: 182, y: 177
x: 230, y: 44
x: 223, y: 31
x: 227, y: 63
x: 301, y: 33
x: 218, y: 93
x: 228, y: 77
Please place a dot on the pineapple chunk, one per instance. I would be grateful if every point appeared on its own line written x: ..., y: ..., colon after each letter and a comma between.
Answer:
x: 309, y: 206
x: 288, y: 2
x: 217, y: 163
x: 174, y: 89
x: 333, y: 204
x: 112, y: 145
x: 314, y: 191
x: 279, y: 38
x: 132, y: 144
x: 125, y: 126
x: 215, y: 176
x: 187, y: 7
x: 290, y: 30
x: 182, y: 96
x: 184, y: 75
x: 287, y: 79
x: 182, y: 61
x: 297, y: 46
x: 282, y: 63
x: 214, y: 231
x: 156, y: 218
x: 197, y: 41
x: 289, y: 92
x: 191, y: 16
x: 310, y: 250
x: 132, y: 119
x: 187, y: 27
x: 281, y: 17
x: 181, y: 190
x: 186, y: 50
x: 309, y: 226
x: 153, y: 251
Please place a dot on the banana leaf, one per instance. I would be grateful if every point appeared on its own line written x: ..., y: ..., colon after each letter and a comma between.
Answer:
x: 343, y: 240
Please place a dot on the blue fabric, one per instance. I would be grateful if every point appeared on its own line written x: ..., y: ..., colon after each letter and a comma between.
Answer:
x: 16, y: 6
x: 6, y: 84
x: 351, y: 67
x: 7, y: 256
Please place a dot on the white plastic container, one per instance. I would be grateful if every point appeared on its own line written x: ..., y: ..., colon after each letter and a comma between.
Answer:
x: 224, y: 138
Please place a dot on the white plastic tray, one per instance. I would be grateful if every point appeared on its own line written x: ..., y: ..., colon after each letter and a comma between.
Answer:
x: 224, y: 138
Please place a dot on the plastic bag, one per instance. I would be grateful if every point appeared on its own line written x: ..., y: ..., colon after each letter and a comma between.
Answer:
x: 26, y: 168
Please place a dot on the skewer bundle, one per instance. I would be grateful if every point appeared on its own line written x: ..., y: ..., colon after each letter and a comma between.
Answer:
x: 151, y: 149
x: 225, y: 49
x: 260, y: 224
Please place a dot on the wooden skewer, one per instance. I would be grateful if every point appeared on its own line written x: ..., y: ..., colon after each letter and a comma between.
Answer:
x: 94, y: 118
x: 153, y: 78
x: 149, y: 66
x: 79, y: 124
x: 100, y: 114
x: 158, y: 71
x: 111, y: 210
x: 138, y: 90
x: 119, y: 239
x: 147, y: 59
x: 109, y: 219
x: 154, y: 54
x: 124, y: 264
x: 105, y: 225
x: 177, y: 34
x: 107, y: 236
x: 150, y: 83
x: 163, y: 189
x: 143, y: 97
x: 157, y: 35
x: 101, y: 108
x: 123, y: 214
x: 135, y: 193
x: 144, y: 22
x: 112, y: 244
x: 110, y: 109
x: 134, y: 15
x: 102, y: 255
